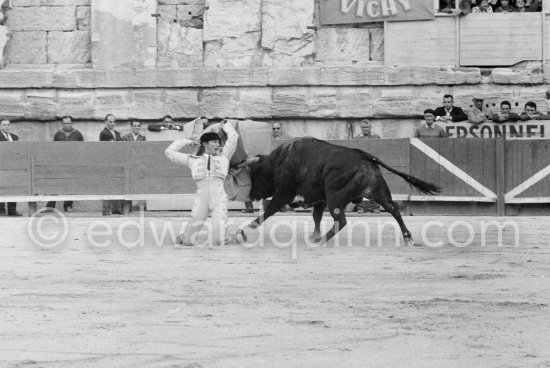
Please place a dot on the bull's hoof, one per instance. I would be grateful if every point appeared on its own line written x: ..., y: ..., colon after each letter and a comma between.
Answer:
x: 410, y: 242
x: 315, y: 238
x: 241, y: 236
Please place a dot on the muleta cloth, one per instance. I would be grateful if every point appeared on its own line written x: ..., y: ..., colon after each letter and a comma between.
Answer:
x: 254, y: 139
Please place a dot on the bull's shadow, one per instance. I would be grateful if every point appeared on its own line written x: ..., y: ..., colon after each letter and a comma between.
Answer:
x: 324, y: 175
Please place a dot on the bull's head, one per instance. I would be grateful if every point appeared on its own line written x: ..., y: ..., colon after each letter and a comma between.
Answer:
x: 262, y: 175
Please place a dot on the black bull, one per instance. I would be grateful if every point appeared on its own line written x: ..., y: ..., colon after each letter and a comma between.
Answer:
x: 325, y: 175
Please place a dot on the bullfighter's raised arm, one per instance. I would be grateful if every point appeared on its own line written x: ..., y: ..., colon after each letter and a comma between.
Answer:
x: 172, y: 152
x: 231, y: 143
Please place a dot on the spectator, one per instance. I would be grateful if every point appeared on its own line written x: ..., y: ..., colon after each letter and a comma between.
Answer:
x: 493, y: 4
x: 466, y: 6
x: 6, y: 136
x: 506, y: 7
x: 366, y: 130
x: 483, y: 7
x: 429, y: 130
x: 449, y: 113
x: 447, y: 7
x: 277, y: 131
x: 477, y: 115
x: 167, y: 123
x: 66, y: 134
x: 109, y: 134
x: 505, y: 114
x: 529, y: 5
x: 531, y: 113
x: 135, y: 135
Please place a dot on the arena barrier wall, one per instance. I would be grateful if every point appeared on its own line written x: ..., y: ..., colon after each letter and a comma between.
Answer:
x: 477, y: 176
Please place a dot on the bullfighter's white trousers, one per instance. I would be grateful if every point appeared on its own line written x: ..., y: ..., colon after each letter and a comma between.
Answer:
x: 210, y: 199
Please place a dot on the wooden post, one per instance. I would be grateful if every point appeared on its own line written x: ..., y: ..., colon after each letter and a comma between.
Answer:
x: 126, y: 205
x: 386, y: 46
x: 500, y: 159
x: 30, y: 153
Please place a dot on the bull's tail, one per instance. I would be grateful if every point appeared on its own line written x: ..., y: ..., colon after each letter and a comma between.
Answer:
x: 421, y: 185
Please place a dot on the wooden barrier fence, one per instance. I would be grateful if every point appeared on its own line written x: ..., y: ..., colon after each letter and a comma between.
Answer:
x: 477, y: 176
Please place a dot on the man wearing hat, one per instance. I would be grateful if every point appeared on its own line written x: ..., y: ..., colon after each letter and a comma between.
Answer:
x: 209, y: 167
x: 476, y: 115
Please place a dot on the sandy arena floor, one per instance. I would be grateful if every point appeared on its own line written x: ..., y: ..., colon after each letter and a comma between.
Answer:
x: 116, y: 299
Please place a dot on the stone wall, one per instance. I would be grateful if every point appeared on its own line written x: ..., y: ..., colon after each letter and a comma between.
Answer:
x: 48, y: 32
x: 318, y: 101
x: 183, y: 34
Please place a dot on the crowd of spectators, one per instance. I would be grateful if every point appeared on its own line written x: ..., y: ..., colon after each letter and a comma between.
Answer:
x: 462, y: 7
x: 478, y: 113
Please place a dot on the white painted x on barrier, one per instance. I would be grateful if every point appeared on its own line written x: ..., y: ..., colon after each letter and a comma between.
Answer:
x: 488, y: 195
x: 510, y: 197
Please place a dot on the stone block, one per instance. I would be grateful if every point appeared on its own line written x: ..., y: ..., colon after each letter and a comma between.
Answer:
x: 40, y: 104
x: 234, y: 52
x: 294, y: 76
x: 26, y: 48
x: 25, y: 78
x: 286, y: 38
x: 323, y: 102
x: 77, y: 103
x: 130, y: 78
x: 467, y: 75
x: 355, y: 102
x: 79, y: 78
x: 84, y: 18
x: 219, y: 19
x: 290, y: 102
x: 219, y: 103
x: 191, y: 15
x: 352, y: 76
x: 342, y: 46
x: 532, y: 74
x: 182, y: 103
x: 182, y: 2
x: 376, y: 44
x: 147, y: 104
x: 167, y: 13
x: 190, y: 77
x: 26, y: 3
x: 11, y: 104
x: 179, y: 47
x: 124, y: 34
x: 242, y: 76
x: 229, y: 43
x: 114, y: 102
x: 254, y: 103
x: 42, y: 18
x: 69, y: 47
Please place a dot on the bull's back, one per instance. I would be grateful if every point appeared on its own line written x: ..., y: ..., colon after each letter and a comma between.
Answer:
x: 310, y: 158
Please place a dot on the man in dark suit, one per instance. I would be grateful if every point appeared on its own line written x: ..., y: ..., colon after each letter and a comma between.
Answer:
x: 167, y: 123
x: 66, y: 134
x: 135, y: 135
x: 6, y: 136
x: 449, y: 113
x: 109, y: 134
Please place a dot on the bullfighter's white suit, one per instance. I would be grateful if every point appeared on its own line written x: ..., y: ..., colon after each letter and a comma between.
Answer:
x: 208, y: 172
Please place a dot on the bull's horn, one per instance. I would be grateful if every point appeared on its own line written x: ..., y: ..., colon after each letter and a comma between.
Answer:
x: 248, y: 161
